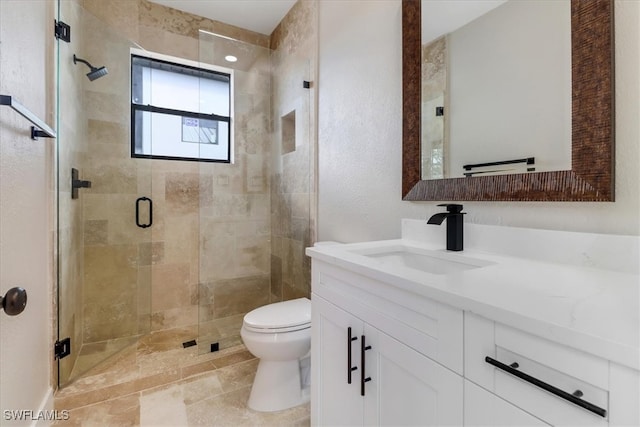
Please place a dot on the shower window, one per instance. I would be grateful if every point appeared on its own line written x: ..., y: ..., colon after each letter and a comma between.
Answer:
x: 180, y: 110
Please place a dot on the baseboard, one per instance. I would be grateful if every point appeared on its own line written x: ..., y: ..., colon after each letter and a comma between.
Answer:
x: 46, y: 407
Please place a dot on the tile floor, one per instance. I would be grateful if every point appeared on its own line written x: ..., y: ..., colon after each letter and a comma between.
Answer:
x: 158, y: 383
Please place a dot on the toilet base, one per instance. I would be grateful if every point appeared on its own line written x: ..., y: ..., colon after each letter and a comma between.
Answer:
x: 277, y: 386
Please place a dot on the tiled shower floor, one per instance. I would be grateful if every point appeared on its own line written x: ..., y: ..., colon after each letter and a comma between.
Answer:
x: 157, y: 382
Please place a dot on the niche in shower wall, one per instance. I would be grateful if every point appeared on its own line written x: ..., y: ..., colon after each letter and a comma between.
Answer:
x: 288, y: 129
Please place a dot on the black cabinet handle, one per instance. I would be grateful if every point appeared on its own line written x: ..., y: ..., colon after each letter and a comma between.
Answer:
x: 363, y: 378
x: 349, y: 367
x: 138, y: 201
x: 573, y: 398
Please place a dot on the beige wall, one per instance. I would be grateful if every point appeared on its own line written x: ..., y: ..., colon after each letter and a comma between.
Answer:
x: 360, y: 134
x: 26, y: 206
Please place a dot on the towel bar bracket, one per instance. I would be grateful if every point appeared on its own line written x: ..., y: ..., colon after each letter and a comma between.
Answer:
x: 37, y: 133
x: 40, y: 128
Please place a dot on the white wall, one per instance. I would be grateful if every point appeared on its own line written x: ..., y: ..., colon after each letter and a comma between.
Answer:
x: 360, y: 134
x: 510, y: 87
x: 25, y: 207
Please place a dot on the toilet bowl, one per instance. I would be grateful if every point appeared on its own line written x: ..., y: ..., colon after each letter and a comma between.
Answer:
x: 279, y: 335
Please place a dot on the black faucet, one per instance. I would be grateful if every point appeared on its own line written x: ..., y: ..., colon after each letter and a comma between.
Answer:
x: 453, y: 215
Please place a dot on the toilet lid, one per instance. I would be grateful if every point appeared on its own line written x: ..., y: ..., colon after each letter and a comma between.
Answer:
x: 280, y: 315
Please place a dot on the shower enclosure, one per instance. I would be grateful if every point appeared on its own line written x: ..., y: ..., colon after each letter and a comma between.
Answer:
x: 151, y: 244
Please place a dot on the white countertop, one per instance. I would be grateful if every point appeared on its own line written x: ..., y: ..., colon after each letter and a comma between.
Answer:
x: 595, y: 310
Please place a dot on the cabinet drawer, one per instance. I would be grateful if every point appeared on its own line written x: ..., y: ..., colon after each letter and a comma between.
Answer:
x: 431, y: 328
x: 533, y: 373
x: 482, y: 408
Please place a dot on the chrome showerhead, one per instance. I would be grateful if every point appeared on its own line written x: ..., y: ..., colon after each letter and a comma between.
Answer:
x: 95, y: 73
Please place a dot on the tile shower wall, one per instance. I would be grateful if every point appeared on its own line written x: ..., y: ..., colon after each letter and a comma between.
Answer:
x: 293, y: 153
x: 186, y: 195
x: 119, y: 280
x: 207, y: 259
x: 434, y: 94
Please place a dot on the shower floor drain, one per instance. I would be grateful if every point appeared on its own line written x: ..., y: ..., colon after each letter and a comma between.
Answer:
x: 189, y: 343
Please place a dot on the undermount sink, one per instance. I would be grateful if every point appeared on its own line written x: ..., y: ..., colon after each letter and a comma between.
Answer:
x: 429, y: 261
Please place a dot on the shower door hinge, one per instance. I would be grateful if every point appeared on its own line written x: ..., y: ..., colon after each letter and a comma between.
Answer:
x: 62, y: 348
x: 62, y: 31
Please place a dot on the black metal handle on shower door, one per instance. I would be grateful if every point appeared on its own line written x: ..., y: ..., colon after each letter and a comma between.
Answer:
x: 138, y: 223
x: 363, y: 378
x: 573, y: 398
x: 350, y: 368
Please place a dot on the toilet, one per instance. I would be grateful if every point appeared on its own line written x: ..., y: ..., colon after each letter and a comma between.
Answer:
x: 279, y: 334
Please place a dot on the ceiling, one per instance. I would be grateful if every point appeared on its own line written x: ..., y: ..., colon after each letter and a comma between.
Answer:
x: 261, y: 16
x: 440, y: 17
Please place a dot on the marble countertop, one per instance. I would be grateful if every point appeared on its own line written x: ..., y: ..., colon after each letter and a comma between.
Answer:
x: 592, y: 309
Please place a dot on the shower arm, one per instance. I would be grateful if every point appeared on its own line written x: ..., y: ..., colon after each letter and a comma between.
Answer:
x: 76, y: 60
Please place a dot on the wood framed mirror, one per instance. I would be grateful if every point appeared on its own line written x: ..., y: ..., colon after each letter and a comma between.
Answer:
x: 591, y: 177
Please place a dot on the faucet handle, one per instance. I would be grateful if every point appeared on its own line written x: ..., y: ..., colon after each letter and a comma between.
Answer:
x: 452, y: 207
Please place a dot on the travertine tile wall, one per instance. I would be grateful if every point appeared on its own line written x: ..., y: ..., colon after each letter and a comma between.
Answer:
x: 207, y: 258
x: 293, y: 164
x: 434, y: 94
x: 190, y: 199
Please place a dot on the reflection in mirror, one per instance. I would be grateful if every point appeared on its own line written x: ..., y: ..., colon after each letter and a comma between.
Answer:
x: 496, y: 87
x: 590, y: 123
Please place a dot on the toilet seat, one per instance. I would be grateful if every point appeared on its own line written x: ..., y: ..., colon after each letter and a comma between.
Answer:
x: 286, y: 316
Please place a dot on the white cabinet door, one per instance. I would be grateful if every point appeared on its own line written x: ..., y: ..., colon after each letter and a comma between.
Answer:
x: 482, y: 408
x: 406, y: 387
x: 334, y: 402
x: 402, y: 387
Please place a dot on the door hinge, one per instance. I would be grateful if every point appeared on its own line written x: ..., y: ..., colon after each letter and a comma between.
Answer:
x: 62, y: 348
x: 62, y: 31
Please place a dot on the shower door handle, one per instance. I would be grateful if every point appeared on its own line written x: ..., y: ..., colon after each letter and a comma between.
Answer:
x: 138, y: 223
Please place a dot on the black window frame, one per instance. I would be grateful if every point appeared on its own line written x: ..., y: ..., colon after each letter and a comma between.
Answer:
x: 136, y: 120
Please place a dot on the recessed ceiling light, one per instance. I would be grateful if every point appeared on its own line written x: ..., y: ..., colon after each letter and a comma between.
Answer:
x: 231, y: 58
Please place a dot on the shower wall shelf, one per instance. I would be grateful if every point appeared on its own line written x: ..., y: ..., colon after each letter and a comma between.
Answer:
x: 40, y: 128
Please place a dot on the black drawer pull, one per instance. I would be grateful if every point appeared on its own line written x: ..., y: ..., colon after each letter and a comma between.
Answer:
x: 363, y: 378
x: 573, y: 398
x: 349, y: 367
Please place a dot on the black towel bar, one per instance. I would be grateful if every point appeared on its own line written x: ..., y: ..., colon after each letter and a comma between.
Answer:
x: 528, y: 160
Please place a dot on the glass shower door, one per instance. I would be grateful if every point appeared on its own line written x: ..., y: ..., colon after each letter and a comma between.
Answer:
x: 255, y: 216
x: 235, y: 206
x: 104, y: 257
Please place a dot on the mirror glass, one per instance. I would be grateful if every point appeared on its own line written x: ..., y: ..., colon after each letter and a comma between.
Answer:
x: 496, y: 87
x: 590, y: 176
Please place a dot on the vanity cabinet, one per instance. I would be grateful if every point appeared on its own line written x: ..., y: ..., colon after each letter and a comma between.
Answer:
x: 382, y: 355
x: 361, y: 375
